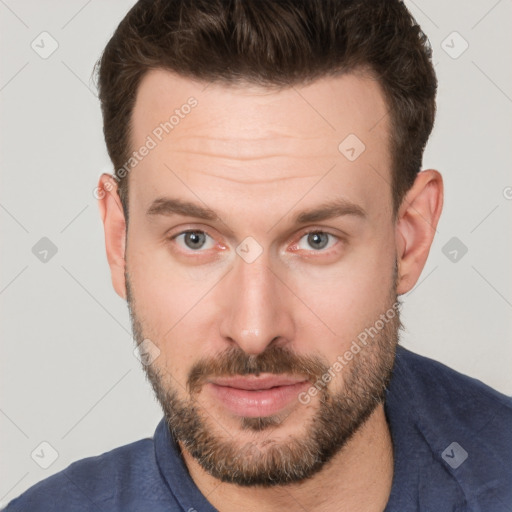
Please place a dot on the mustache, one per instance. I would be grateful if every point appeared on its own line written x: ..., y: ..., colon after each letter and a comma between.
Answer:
x: 234, y: 361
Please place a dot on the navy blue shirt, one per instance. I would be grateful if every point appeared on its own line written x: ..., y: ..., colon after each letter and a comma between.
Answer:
x: 452, y: 440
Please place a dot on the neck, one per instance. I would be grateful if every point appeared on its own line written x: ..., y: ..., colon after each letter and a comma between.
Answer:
x: 358, y: 478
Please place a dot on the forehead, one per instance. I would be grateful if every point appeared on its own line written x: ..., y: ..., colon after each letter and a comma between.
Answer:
x: 252, y: 136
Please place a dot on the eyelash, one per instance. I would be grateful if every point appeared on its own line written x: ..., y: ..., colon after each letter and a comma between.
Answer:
x: 304, y: 234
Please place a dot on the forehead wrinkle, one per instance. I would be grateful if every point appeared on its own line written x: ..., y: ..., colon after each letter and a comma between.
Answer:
x: 244, y: 158
x: 253, y: 148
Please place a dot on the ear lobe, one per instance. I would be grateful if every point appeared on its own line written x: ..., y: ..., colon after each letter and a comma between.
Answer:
x: 416, y: 226
x: 112, y: 216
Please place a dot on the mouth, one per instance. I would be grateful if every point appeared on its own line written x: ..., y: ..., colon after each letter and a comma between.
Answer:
x: 256, y: 396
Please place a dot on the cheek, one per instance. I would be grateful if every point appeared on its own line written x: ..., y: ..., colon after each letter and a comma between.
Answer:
x: 164, y: 290
x: 171, y: 308
x: 345, y: 298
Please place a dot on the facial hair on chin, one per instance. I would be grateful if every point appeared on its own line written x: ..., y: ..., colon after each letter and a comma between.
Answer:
x: 269, y: 462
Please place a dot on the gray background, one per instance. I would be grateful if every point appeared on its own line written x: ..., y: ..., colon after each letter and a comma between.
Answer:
x: 67, y: 369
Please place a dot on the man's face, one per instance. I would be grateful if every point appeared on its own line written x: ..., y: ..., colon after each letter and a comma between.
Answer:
x: 260, y: 249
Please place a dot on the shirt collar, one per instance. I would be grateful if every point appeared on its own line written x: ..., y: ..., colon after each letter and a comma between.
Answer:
x: 175, y: 472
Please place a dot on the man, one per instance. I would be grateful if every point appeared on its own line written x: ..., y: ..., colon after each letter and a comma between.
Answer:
x: 266, y: 213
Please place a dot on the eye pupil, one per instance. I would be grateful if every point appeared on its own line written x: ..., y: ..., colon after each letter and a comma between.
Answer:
x: 195, y: 239
x: 318, y: 240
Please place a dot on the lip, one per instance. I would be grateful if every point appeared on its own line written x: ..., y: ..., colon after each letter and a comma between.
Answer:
x: 256, y: 396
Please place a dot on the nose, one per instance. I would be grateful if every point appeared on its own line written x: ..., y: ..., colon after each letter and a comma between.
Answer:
x: 256, y: 307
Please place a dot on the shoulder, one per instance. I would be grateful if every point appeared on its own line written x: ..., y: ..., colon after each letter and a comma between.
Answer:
x: 86, y: 484
x: 440, y: 389
x: 466, y: 424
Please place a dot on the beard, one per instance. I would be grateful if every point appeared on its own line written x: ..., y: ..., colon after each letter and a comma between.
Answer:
x: 266, y: 461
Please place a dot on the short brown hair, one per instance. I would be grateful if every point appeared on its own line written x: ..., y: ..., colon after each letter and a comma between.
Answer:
x: 274, y: 43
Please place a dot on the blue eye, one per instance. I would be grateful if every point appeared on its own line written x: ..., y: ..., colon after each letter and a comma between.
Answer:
x: 198, y: 241
x: 194, y: 240
x: 317, y: 240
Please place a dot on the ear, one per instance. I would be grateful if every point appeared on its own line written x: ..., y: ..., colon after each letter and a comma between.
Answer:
x: 114, y: 224
x: 416, y: 225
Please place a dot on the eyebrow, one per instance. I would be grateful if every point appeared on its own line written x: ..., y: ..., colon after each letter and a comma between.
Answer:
x: 336, y: 208
x: 170, y: 206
